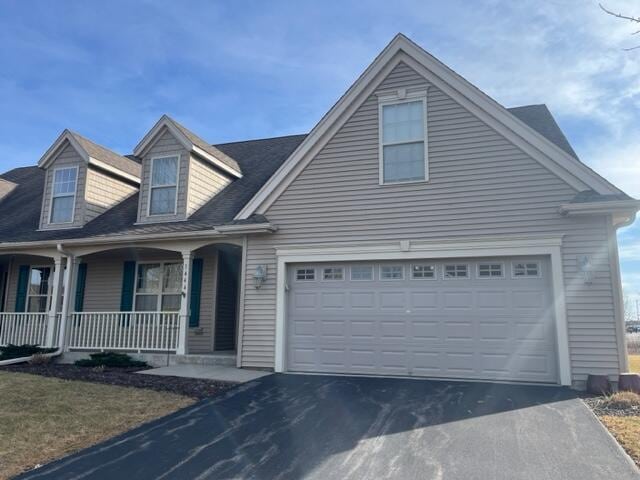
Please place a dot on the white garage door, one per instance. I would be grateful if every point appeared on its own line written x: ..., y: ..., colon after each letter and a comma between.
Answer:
x: 478, y: 318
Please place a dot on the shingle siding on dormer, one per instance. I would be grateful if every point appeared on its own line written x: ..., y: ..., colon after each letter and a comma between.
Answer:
x: 204, y: 183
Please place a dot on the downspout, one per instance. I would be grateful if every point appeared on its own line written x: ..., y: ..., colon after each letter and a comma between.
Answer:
x: 61, y: 334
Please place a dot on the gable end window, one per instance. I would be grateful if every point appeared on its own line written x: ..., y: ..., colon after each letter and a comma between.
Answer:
x: 164, y: 186
x: 403, y: 140
x: 63, y: 195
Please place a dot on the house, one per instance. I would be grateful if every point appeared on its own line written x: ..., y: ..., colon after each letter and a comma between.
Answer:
x: 420, y: 229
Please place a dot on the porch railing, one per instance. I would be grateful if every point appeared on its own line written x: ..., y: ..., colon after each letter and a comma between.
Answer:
x: 26, y: 328
x: 135, y: 331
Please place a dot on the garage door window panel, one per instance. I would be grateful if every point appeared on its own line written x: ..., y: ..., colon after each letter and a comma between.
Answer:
x: 490, y: 270
x: 423, y: 271
x: 454, y: 271
x: 526, y: 269
x: 305, y: 274
x: 392, y: 272
x: 333, y: 273
x: 360, y: 273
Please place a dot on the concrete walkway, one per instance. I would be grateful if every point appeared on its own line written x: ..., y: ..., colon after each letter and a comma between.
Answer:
x: 209, y: 372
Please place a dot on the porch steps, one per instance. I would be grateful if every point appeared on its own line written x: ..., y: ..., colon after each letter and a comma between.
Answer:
x: 222, y: 358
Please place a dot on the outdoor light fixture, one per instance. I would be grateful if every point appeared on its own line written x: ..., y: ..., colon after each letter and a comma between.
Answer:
x: 586, y: 268
x: 259, y: 276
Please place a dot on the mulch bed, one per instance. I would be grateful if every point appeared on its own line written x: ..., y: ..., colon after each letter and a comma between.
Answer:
x: 126, y: 377
x: 600, y: 407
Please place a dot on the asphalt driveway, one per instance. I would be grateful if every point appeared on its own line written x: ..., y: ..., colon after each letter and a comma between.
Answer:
x: 328, y: 427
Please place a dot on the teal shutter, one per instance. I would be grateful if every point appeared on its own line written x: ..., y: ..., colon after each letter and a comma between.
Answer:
x: 128, y: 283
x: 23, y: 283
x: 196, y: 287
x: 80, y: 282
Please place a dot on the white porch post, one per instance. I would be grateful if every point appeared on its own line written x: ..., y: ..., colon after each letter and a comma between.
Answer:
x: 55, y: 301
x: 70, y: 275
x: 183, y: 328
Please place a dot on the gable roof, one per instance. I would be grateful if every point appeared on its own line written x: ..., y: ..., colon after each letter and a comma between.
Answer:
x: 95, y: 154
x: 533, y: 142
x: 20, y: 210
x: 191, y: 142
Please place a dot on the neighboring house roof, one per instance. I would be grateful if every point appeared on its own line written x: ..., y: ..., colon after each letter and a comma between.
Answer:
x: 540, y: 119
x: 402, y: 50
x: 91, y: 152
x: 191, y: 142
x: 259, y: 159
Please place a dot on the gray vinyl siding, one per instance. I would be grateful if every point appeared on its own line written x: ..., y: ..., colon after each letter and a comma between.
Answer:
x: 165, y: 145
x: 104, y: 192
x: 480, y: 185
x: 68, y: 157
x: 204, y: 183
x: 104, y: 283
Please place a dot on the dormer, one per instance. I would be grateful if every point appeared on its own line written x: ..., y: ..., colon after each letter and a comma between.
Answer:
x: 83, y: 180
x: 180, y: 172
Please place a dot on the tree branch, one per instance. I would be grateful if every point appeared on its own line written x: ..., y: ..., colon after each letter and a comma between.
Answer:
x: 619, y: 15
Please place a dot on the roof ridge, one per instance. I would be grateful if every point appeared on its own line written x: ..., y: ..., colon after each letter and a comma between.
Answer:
x: 262, y: 139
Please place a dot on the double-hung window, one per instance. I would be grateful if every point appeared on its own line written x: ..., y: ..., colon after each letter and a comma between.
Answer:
x: 158, y: 287
x: 63, y: 195
x: 403, y: 149
x: 38, y: 292
x: 164, y: 185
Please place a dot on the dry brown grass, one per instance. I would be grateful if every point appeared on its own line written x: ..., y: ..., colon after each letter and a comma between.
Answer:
x: 634, y: 363
x: 45, y: 418
x: 627, y: 432
x: 622, y: 400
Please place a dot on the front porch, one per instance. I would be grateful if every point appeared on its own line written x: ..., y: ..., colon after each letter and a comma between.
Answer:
x: 148, y: 301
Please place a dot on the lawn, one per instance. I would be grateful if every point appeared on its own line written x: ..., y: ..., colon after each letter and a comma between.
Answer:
x: 626, y: 429
x: 45, y: 418
x: 634, y: 363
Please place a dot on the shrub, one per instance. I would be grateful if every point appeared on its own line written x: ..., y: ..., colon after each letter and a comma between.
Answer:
x: 622, y: 400
x: 10, y: 351
x: 111, y: 359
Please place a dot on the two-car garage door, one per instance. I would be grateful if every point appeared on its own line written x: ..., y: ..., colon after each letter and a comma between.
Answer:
x: 470, y: 318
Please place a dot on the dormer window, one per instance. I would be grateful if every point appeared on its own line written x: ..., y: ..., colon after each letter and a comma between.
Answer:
x: 403, y: 149
x: 63, y: 195
x: 164, y: 185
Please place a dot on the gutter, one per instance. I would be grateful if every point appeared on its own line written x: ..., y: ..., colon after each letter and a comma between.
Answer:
x: 591, y: 208
x: 221, y: 231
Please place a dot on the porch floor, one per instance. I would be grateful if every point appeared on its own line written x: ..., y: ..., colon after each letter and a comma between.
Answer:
x: 210, y: 372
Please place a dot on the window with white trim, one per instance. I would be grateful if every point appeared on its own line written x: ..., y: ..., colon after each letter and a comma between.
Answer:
x: 63, y: 195
x: 164, y: 185
x: 391, y: 272
x: 303, y: 274
x: 403, y: 140
x: 333, y: 273
x: 158, y: 287
x: 423, y: 271
x: 490, y: 270
x: 362, y: 272
x: 39, y: 291
x: 526, y: 269
x: 456, y: 270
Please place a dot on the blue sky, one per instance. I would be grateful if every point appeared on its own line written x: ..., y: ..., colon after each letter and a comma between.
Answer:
x: 248, y: 69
